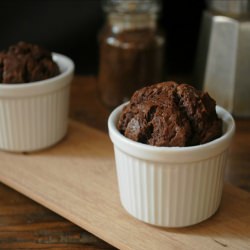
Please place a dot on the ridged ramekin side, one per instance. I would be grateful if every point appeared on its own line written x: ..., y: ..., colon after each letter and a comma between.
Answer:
x: 167, y: 194
x: 33, y: 122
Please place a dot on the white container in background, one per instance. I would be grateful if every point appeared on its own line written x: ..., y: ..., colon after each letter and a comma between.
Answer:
x: 34, y: 116
x: 223, y: 55
x: 171, y: 186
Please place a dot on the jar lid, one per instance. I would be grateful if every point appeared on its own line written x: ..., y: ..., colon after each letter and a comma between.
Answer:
x: 132, y: 6
x: 235, y: 7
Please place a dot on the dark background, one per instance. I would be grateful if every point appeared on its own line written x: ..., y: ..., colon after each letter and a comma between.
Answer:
x: 71, y: 27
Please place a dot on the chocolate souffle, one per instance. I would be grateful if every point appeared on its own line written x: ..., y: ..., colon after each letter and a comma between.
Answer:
x: 25, y: 62
x: 170, y: 114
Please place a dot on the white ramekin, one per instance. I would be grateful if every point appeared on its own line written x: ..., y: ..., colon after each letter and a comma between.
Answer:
x: 34, y: 115
x: 171, y: 186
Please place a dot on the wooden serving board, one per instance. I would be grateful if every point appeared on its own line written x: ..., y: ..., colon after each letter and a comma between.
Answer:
x: 77, y: 180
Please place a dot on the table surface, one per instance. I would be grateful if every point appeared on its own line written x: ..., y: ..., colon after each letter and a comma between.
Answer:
x: 39, y: 228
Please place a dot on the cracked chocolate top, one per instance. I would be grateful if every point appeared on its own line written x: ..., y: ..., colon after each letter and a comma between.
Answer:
x: 25, y: 62
x: 170, y: 114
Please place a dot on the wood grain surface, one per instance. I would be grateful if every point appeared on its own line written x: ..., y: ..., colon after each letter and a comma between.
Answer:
x: 77, y: 180
x: 25, y: 224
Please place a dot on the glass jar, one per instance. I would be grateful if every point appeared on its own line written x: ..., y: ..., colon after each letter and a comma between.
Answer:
x: 131, y: 49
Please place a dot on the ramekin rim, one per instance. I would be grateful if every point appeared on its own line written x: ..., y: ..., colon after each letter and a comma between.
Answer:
x: 113, y: 117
